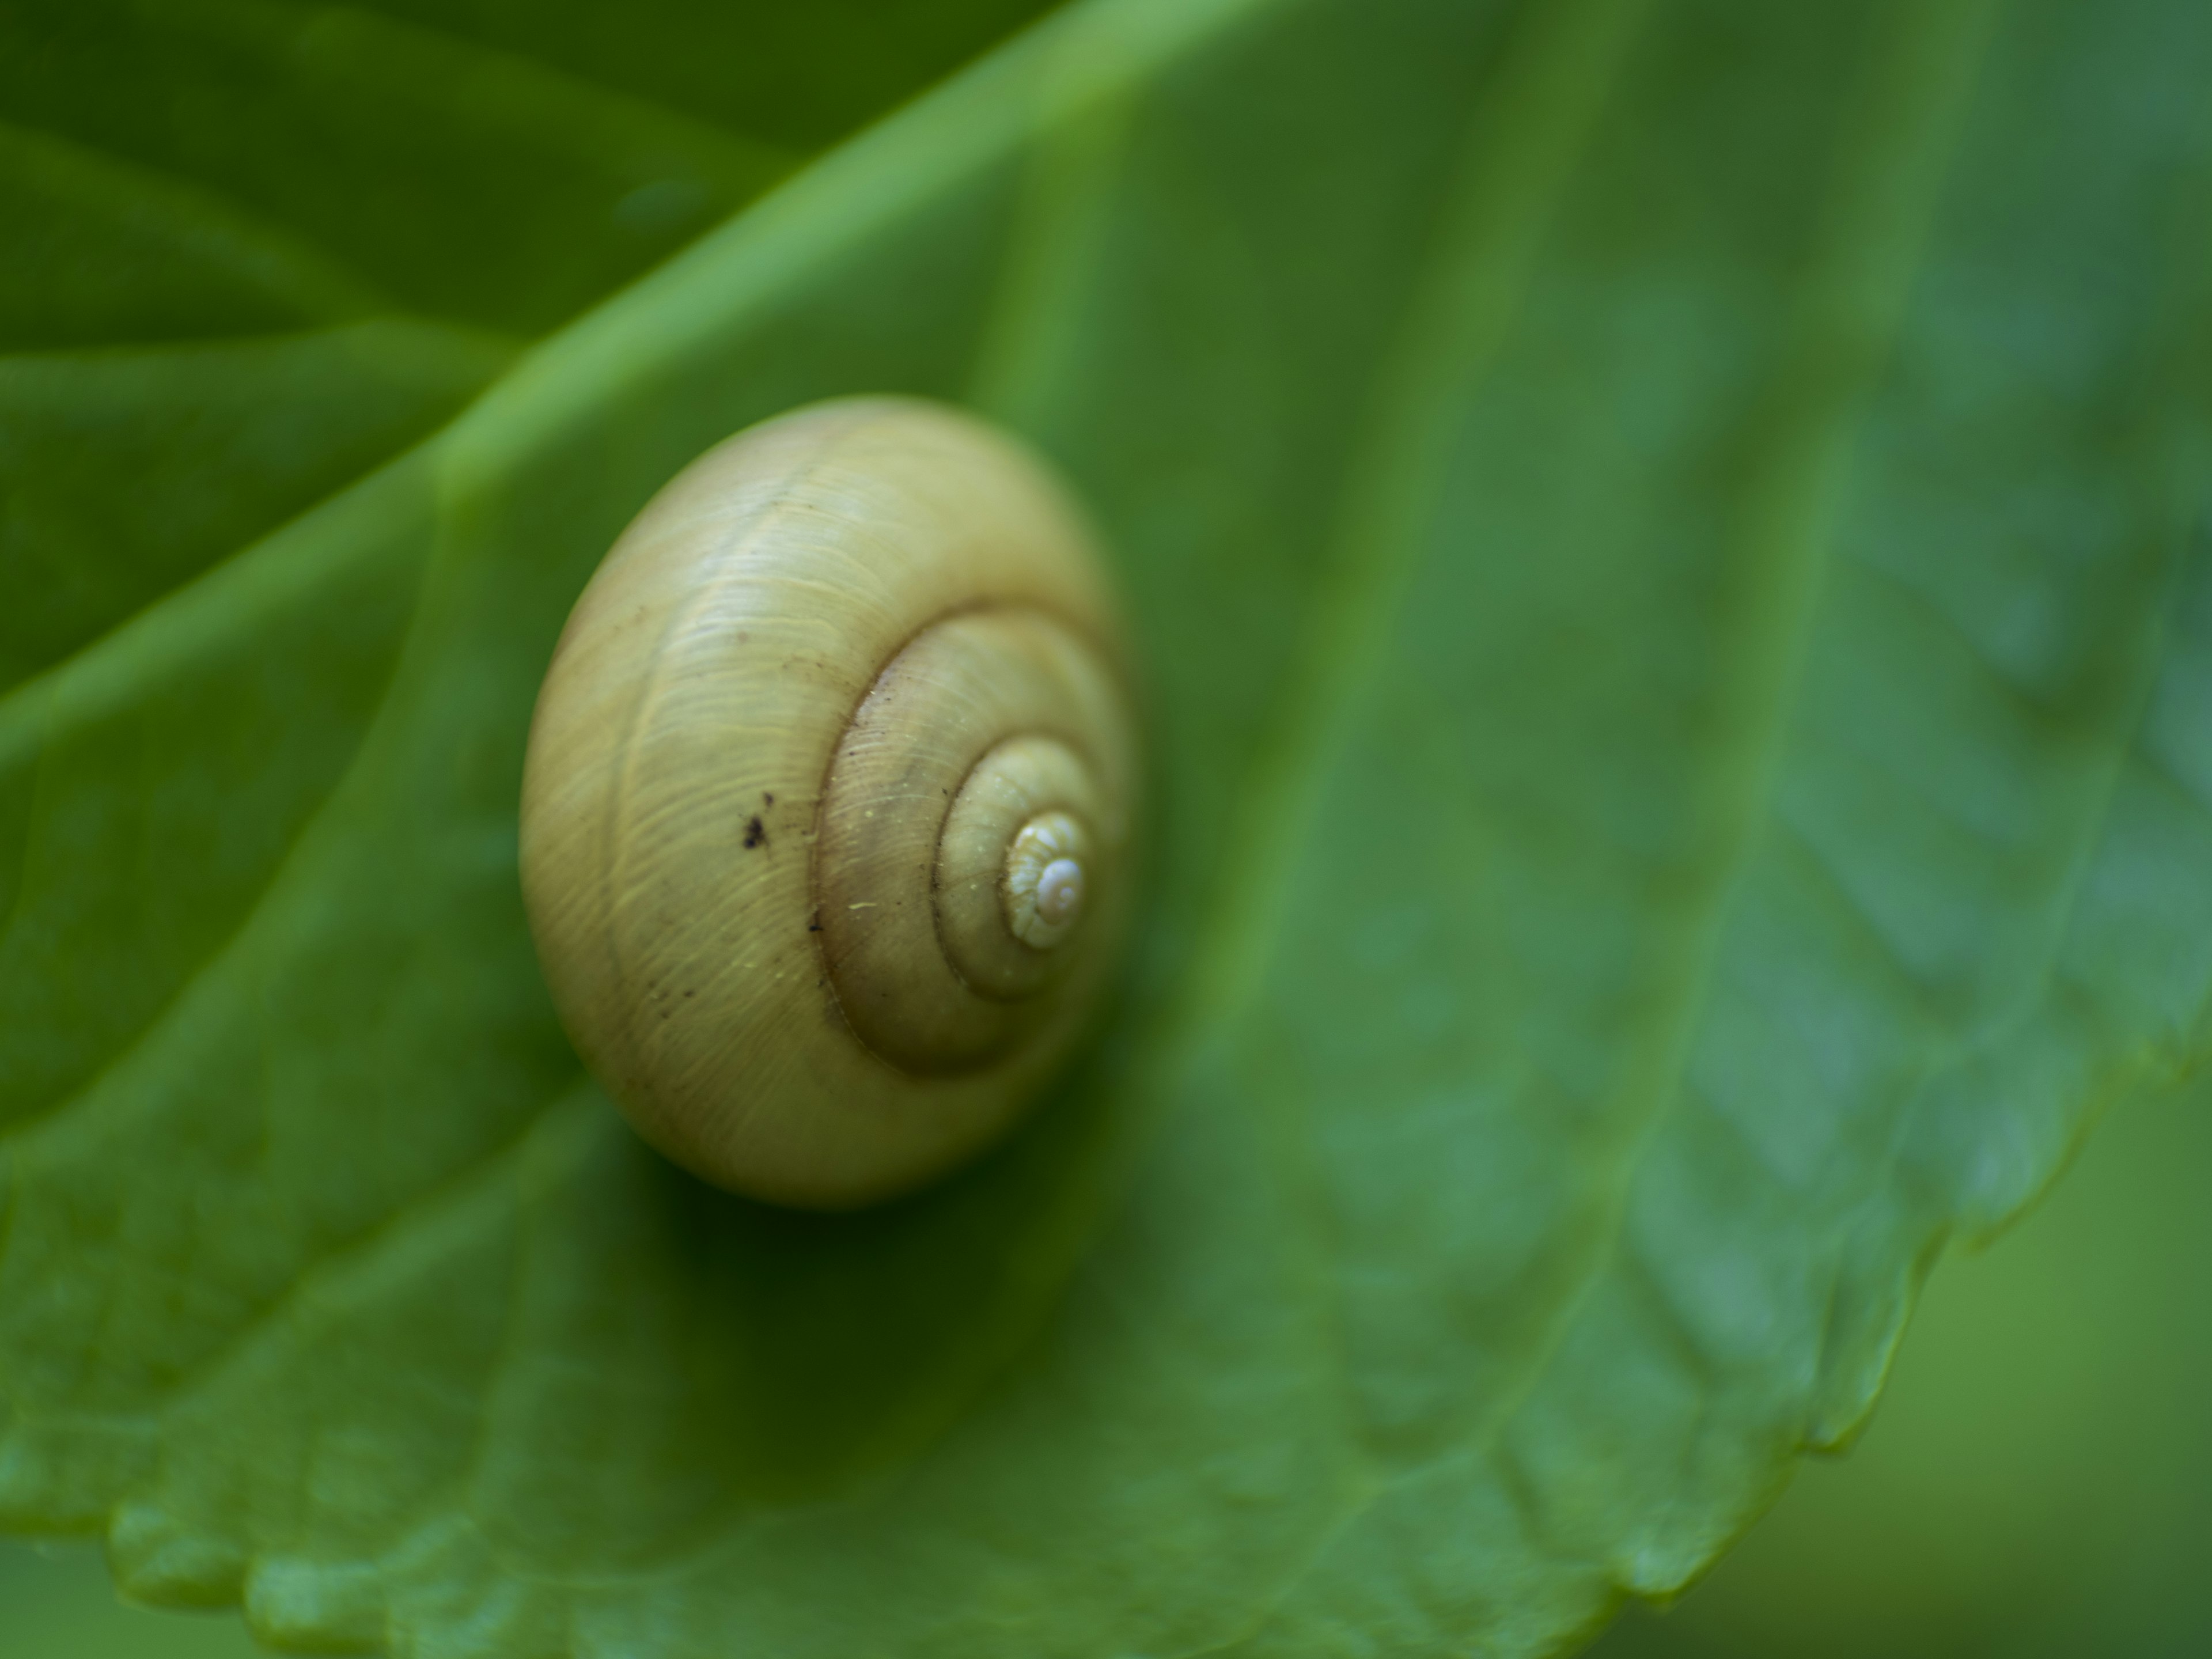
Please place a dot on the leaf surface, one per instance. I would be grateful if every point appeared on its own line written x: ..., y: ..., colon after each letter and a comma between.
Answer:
x: 1665, y: 541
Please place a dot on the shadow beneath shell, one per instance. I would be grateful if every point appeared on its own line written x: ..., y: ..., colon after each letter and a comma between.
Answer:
x: 757, y: 1356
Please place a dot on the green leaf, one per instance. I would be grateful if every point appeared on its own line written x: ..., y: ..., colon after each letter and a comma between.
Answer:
x: 1665, y: 541
x: 220, y: 185
x: 2037, y: 1481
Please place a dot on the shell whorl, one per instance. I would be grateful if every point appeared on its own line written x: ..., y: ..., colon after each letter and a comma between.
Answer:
x: 829, y: 801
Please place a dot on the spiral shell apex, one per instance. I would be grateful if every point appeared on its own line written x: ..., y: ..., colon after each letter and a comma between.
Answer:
x: 828, y: 807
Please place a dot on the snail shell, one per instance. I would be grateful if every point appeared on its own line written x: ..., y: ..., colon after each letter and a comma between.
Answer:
x: 827, y: 810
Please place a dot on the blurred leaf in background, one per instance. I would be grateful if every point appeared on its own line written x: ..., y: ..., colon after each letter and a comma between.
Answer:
x: 1666, y: 542
x: 59, y: 1602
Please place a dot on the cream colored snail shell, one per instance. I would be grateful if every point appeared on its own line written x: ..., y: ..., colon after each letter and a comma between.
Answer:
x: 827, y: 811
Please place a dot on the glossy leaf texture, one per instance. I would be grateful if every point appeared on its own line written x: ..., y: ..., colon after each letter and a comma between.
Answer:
x: 1667, y: 540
